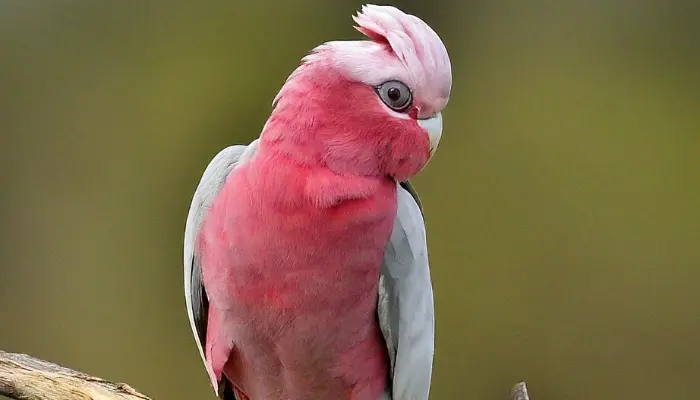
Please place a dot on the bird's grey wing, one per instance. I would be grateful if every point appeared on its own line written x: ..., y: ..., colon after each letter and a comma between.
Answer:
x: 405, y: 308
x: 213, y: 179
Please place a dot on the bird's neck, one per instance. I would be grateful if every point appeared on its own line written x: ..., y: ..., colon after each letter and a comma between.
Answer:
x: 294, y: 182
x: 312, y: 127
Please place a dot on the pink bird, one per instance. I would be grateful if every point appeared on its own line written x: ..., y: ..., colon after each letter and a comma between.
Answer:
x: 306, y: 265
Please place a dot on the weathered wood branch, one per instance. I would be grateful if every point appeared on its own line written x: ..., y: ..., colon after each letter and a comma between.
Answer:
x: 519, y: 392
x: 27, y: 378
x: 23, y: 377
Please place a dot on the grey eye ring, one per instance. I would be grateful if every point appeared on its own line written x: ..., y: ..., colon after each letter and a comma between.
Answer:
x: 396, y: 95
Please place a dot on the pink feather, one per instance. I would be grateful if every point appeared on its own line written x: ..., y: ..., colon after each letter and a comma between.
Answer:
x: 292, y: 245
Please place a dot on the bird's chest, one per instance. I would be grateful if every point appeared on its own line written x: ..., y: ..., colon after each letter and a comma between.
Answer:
x: 292, y: 255
x: 298, y: 287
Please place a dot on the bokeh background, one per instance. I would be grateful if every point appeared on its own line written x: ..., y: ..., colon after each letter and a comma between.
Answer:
x: 563, y: 206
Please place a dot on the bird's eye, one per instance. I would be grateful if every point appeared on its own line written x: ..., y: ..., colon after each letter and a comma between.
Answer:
x: 395, y: 95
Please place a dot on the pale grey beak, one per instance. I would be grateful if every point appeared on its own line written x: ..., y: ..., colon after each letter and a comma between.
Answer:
x: 433, y: 126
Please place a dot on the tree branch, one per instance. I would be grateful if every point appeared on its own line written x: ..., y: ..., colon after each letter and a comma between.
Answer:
x: 23, y: 377
x: 27, y: 378
x: 519, y: 392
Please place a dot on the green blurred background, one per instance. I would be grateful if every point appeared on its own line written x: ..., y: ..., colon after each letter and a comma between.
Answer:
x: 563, y: 206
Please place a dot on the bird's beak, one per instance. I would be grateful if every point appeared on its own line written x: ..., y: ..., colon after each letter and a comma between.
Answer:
x: 433, y: 126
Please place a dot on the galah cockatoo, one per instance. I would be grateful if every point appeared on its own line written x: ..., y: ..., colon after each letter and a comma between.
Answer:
x: 306, y: 265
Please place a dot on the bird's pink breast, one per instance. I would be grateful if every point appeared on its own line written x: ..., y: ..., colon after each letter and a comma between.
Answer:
x: 293, y: 287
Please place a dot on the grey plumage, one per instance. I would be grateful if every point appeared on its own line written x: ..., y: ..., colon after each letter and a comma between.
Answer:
x: 405, y: 308
x: 212, y: 180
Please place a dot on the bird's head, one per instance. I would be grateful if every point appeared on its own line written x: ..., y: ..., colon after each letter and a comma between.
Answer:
x: 371, y: 107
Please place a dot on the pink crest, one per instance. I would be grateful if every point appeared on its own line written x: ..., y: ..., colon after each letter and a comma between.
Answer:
x: 416, y: 45
x: 402, y: 47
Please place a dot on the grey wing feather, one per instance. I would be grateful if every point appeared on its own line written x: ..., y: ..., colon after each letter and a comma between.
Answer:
x: 213, y: 179
x: 405, y: 308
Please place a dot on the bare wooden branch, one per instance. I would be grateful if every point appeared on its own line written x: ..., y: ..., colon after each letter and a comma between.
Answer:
x: 27, y: 378
x: 23, y: 377
x: 519, y: 392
